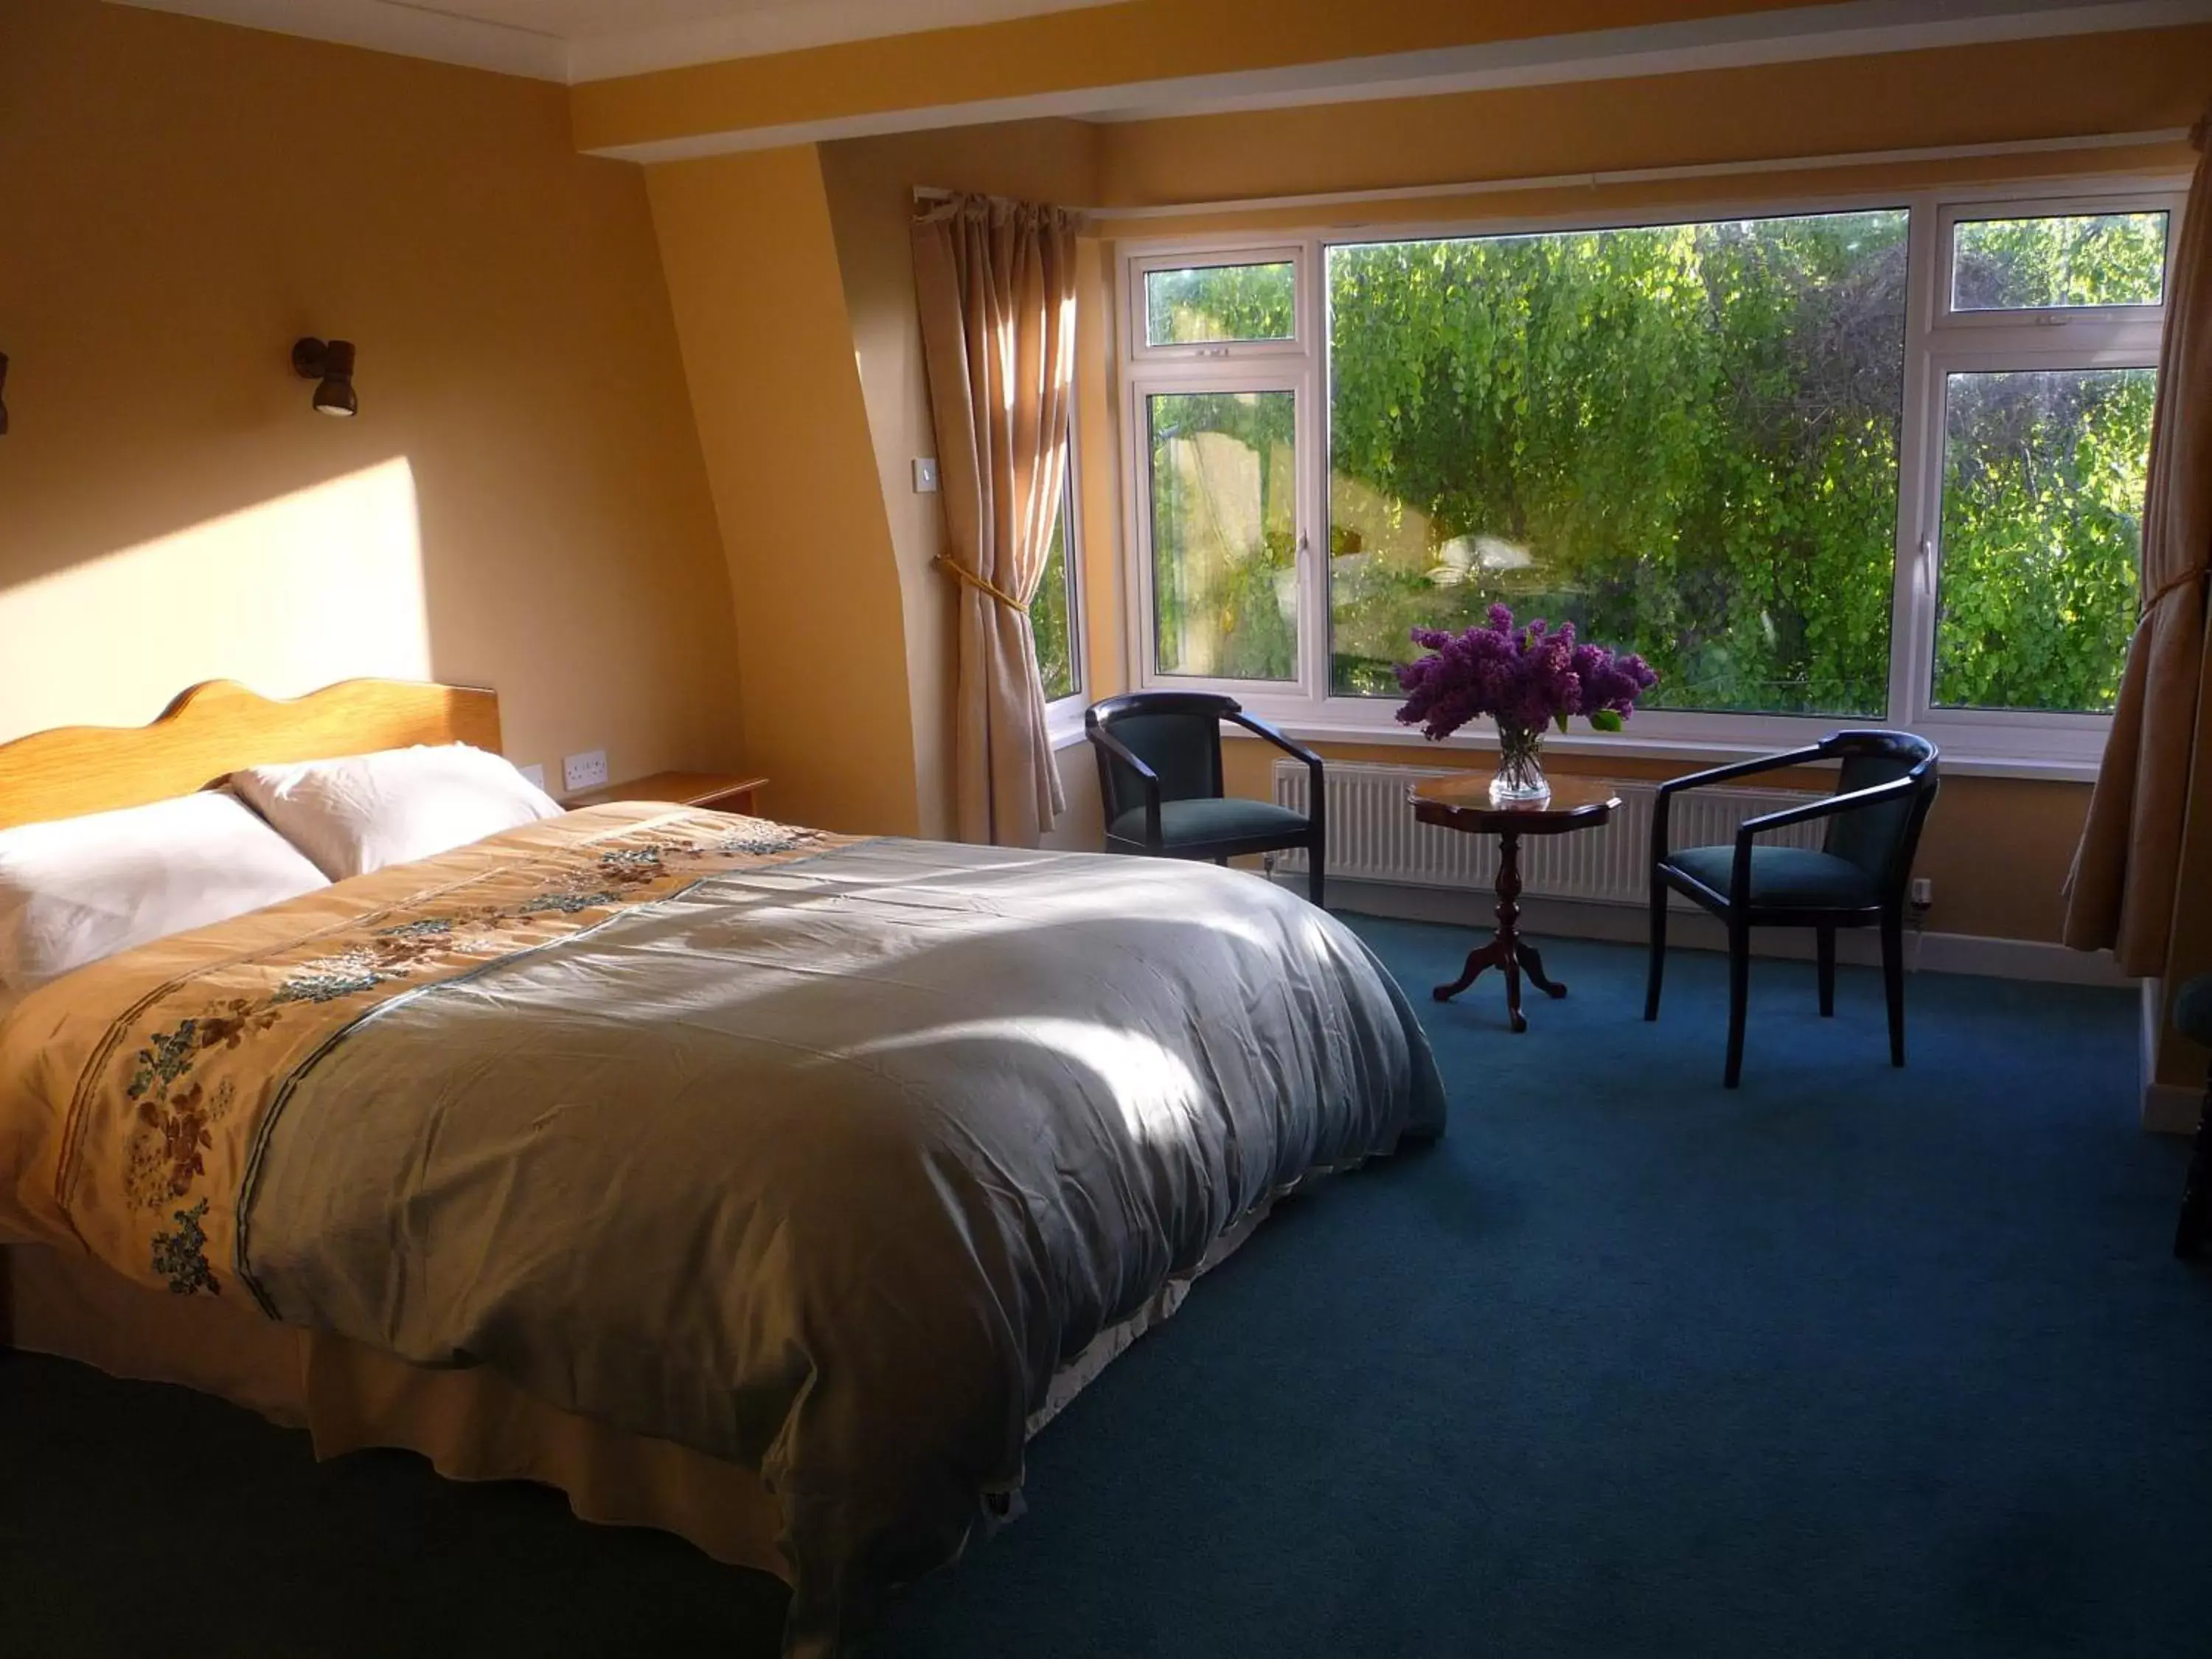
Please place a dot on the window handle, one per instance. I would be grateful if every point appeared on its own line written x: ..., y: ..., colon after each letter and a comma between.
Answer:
x: 1923, y: 575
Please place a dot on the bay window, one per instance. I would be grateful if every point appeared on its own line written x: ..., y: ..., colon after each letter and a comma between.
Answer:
x: 1875, y: 463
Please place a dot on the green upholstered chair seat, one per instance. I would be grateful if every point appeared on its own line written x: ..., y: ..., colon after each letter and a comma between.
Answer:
x: 1200, y: 823
x: 2192, y: 1009
x: 1782, y: 877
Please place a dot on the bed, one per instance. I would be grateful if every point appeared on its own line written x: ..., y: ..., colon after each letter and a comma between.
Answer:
x: 765, y: 1185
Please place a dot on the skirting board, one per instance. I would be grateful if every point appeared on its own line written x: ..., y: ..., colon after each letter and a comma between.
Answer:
x: 2165, y: 1109
x: 1693, y: 930
x: 2170, y: 1109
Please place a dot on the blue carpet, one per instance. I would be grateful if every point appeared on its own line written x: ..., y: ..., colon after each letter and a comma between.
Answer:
x: 1847, y: 1362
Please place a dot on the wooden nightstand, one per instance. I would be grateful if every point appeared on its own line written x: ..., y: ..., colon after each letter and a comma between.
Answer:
x: 719, y: 791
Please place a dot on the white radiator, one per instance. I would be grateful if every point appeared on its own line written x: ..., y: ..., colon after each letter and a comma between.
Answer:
x: 1373, y: 835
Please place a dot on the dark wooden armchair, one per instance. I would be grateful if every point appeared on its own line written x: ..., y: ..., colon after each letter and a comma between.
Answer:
x: 1857, y: 879
x: 1159, y: 780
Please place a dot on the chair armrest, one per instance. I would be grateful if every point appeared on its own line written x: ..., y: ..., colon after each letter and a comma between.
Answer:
x: 1811, y: 751
x: 1259, y: 727
x: 1121, y: 752
x: 1827, y: 806
x: 1663, y: 799
x: 1317, y: 796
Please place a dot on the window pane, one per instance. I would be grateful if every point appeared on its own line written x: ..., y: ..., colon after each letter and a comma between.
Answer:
x: 1683, y: 439
x: 1059, y: 653
x: 1225, y: 534
x: 2042, y: 527
x: 2073, y: 260
x: 1207, y: 303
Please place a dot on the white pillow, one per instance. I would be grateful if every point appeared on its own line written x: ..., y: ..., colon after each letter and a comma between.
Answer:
x: 75, y: 890
x: 364, y: 812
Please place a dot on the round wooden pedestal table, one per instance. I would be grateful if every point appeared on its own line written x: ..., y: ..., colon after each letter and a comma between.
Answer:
x: 1464, y: 802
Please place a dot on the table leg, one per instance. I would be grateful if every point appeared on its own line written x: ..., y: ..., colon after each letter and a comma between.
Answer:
x: 1483, y: 956
x: 1505, y: 952
x: 1532, y: 962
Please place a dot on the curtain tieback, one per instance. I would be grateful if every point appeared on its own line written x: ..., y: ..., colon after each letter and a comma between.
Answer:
x: 2158, y: 594
x: 981, y: 582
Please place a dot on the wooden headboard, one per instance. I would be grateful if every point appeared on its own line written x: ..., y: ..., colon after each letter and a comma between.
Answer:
x: 217, y: 727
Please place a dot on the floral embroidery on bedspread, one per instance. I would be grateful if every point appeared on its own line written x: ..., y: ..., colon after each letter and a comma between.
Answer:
x: 181, y: 1257
x: 165, y: 1110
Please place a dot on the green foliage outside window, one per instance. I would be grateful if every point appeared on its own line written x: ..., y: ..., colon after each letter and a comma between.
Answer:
x: 1224, y: 533
x: 2065, y: 259
x: 1206, y: 303
x: 1685, y: 439
x: 2043, y: 493
x: 1049, y: 620
x: 1682, y: 438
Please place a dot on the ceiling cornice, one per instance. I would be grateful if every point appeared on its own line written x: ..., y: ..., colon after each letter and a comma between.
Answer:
x: 381, y: 25
x: 1798, y: 34
x: 787, y: 28
x: 424, y: 31
x: 608, y: 71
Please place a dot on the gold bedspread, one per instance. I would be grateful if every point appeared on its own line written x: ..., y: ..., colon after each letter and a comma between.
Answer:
x: 821, y: 1157
x: 153, y: 1117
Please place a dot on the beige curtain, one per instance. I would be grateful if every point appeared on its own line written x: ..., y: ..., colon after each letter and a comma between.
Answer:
x: 996, y: 284
x: 2120, y: 892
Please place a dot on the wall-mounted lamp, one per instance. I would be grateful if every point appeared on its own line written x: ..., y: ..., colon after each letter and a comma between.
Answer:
x: 3, y: 389
x: 329, y: 362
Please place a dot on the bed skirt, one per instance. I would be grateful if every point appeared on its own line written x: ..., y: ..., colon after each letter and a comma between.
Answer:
x: 470, y: 1423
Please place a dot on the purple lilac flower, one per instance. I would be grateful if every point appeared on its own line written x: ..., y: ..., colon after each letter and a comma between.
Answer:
x: 1529, y: 679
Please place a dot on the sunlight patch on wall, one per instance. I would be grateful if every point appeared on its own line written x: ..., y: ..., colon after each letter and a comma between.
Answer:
x: 324, y: 584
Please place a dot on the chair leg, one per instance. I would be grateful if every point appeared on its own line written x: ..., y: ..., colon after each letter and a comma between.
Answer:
x: 1739, y: 996
x: 2196, y: 1193
x: 1827, y: 973
x: 1315, y: 851
x: 1658, y: 949
x: 1892, y: 980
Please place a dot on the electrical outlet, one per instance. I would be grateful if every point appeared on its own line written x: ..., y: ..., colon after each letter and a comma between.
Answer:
x: 924, y: 477
x: 535, y: 772
x: 585, y: 771
x: 1924, y: 892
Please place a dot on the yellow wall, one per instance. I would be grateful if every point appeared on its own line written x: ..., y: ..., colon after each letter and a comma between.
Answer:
x: 525, y: 501
x: 2181, y: 1063
x: 768, y: 350
x: 870, y: 183
x: 1998, y: 850
x: 521, y: 503
x: 2133, y: 81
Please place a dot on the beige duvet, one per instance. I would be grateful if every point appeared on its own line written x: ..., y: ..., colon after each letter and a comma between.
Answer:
x: 816, y: 1155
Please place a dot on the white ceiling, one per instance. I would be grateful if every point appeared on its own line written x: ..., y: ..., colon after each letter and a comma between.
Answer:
x: 573, y: 40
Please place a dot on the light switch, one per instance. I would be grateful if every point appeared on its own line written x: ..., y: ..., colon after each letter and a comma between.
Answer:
x: 536, y: 774
x: 924, y: 477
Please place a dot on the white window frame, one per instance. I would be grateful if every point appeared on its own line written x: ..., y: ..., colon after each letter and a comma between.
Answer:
x: 1938, y: 341
x: 1951, y: 213
x: 1139, y: 335
x: 1063, y: 716
x: 1304, y: 687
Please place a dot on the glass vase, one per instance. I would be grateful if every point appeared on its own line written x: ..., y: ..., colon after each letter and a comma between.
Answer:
x: 1520, y: 765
